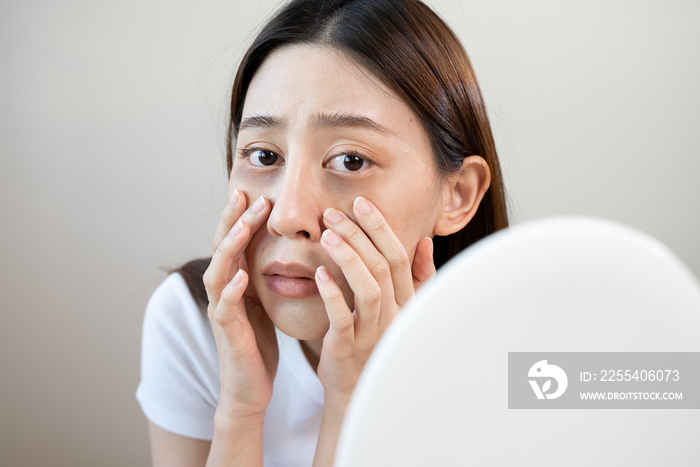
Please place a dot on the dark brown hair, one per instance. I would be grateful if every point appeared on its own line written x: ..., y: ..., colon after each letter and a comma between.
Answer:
x: 417, y: 55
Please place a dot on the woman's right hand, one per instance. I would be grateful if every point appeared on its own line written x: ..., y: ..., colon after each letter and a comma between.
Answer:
x: 245, y: 336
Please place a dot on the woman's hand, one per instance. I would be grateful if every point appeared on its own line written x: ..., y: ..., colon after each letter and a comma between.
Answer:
x: 379, y: 272
x: 245, y: 336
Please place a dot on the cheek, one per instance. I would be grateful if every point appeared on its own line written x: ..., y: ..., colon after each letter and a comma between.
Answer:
x: 409, y: 229
x: 412, y: 213
x: 254, y: 264
x: 252, y: 251
x: 252, y: 187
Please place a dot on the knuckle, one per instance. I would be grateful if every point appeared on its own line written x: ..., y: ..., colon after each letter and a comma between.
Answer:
x: 345, y: 322
x: 218, y: 314
x: 352, y: 260
x: 212, y: 282
x: 354, y: 234
x: 229, y: 296
x: 373, y: 296
x: 222, y: 317
x: 380, y: 269
x: 336, y: 296
x: 224, y: 245
x: 380, y: 227
x: 400, y: 259
x: 208, y: 279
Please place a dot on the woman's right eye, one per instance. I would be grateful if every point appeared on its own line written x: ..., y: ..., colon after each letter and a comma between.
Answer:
x: 262, y: 157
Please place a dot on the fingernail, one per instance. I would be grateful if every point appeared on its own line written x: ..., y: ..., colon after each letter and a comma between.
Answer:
x: 323, y: 274
x: 362, y: 205
x: 238, y: 278
x: 333, y: 216
x: 237, y: 229
x: 331, y: 238
x: 234, y: 197
x: 258, y: 206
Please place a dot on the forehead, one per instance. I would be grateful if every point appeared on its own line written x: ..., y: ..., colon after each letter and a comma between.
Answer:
x: 298, y: 82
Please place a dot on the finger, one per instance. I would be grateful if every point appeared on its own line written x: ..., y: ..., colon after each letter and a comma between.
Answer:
x: 221, y: 268
x: 226, y: 257
x: 227, y: 309
x: 423, y: 264
x: 232, y: 211
x: 368, y: 294
x: 231, y: 318
x: 384, y: 239
x: 354, y: 236
x: 341, y: 318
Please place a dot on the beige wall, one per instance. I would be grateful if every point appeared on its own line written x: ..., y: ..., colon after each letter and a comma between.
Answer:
x: 111, y: 123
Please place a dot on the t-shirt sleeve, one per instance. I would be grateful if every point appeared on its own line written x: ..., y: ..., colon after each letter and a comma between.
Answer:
x: 180, y: 383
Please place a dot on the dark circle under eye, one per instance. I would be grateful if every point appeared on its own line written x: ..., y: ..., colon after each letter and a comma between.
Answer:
x: 262, y: 157
x: 353, y: 162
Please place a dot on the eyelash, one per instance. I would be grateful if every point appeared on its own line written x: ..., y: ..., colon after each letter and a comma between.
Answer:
x: 355, y: 153
x: 244, y: 153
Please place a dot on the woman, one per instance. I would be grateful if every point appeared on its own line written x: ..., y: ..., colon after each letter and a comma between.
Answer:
x: 360, y: 158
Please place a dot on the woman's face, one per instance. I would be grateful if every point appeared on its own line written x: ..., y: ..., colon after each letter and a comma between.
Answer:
x: 319, y: 130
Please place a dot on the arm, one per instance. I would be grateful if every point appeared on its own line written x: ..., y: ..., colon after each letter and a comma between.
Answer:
x: 331, y: 423
x: 169, y: 449
x: 236, y: 442
x: 172, y: 450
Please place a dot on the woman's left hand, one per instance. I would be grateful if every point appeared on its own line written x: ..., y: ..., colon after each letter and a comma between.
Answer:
x: 379, y: 272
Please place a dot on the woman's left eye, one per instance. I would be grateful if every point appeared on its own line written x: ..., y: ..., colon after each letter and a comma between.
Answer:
x: 347, y: 163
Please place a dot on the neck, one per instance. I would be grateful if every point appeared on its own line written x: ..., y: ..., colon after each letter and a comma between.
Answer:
x: 312, y: 351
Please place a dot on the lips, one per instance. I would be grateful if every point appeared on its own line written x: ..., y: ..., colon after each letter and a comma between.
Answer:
x: 289, y: 270
x: 291, y: 280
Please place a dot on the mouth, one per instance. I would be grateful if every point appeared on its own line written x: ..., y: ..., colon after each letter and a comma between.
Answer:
x: 290, y: 280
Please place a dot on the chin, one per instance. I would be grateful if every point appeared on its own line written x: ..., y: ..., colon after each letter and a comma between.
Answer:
x: 304, y: 334
x: 301, y: 319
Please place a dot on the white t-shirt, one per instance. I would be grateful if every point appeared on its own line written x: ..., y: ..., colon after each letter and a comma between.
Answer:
x: 180, y: 381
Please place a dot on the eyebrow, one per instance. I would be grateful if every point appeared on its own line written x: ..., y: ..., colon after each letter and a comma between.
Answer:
x: 322, y: 120
x: 345, y: 120
x: 259, y: 121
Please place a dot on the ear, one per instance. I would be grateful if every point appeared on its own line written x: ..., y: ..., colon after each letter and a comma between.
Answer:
x: 462, y: 195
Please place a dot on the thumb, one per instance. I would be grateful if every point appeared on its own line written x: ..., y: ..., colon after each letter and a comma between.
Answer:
x: 423, y: 268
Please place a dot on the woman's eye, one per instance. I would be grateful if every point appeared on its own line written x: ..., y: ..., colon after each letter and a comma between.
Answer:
x: 261, y: 157
x: 347, y: 163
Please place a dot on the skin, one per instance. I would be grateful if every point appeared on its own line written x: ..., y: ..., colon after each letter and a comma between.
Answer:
x: 364, y: 236
x: 292, y: 86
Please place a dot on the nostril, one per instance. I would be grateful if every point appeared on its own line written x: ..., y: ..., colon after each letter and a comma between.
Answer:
x: 306, y: 234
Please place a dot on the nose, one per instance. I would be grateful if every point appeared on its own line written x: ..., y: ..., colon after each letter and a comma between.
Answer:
x: 296, y: 209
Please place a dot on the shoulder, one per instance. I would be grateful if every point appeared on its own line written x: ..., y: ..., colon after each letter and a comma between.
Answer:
x: 179, y: 383
x: 174, y: 318
x: 172, y: 294
x: 172, y: 311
